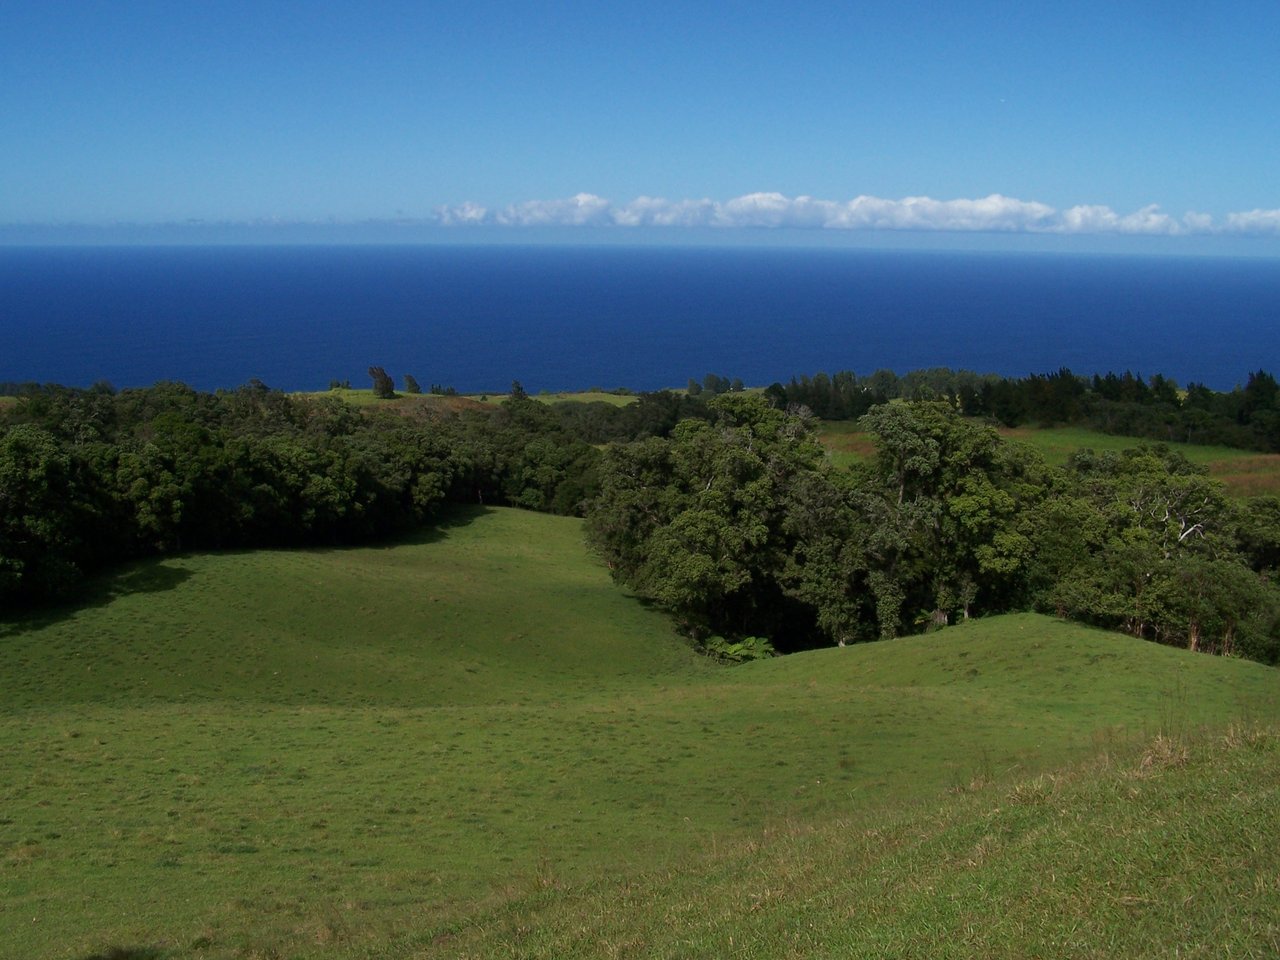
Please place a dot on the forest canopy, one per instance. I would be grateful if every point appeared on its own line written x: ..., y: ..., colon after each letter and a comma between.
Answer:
x: 717, y: 504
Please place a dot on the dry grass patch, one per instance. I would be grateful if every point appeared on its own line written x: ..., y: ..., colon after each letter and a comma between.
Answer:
x: 1249, y: 476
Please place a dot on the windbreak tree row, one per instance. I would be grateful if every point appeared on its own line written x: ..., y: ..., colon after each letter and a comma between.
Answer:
x: 1154, y: 408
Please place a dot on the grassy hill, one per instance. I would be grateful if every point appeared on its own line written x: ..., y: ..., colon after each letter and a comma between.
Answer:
x: 1243, y: 472
x: 442, y: 746
x: 492, y: 606
x: 1165, y: 852
x: 472, y: 401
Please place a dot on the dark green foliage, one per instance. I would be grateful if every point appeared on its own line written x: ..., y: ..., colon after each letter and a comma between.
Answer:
x: 715, y: 384
x: 651, y: 415
x: 40, y: 530
x: 738, y: 651
x: 1124, y: 404
x: 950, y: 515
x: 697, y: 521
x: 411, y: 385
x: 95, y: 477
x: 519, y: 455
x: 1154, y: 548
x: 384, y: 388
x: 728, y: 522
x: 720, y: 506
x: 736, y: 528
x: 1256, y: 527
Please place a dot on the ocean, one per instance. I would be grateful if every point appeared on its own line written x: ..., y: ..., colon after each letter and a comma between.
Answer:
x: 568, y: 318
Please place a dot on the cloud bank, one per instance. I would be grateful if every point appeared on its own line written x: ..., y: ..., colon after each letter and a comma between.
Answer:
x: 996, y: 214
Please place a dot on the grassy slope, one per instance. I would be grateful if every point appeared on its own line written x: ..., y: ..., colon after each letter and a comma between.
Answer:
x: 365, y: 398
x: 1244, y: 472
x: 401, y: 402
x: 477, y: 611
x: 319, y: 752
x: 1159, y: 853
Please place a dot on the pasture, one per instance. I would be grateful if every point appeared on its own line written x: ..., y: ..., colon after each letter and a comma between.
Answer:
x: 471, y: 743
x: 1243, y: 472
x: 364, y: 398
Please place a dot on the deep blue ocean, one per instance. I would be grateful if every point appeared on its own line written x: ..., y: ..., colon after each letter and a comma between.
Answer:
x: 565, y: 318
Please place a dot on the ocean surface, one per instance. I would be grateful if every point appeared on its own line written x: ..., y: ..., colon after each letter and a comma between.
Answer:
x: 568, y: 318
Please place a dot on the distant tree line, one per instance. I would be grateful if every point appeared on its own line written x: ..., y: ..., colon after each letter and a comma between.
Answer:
x: 1247, y: 417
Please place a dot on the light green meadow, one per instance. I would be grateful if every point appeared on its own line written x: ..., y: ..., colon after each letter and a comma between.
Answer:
x: 1243, y: 472
x: 402, y: 750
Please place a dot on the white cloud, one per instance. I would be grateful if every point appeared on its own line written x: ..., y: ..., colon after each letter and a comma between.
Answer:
x: 1254, y: 221
x: 1149, y: 220
x: 774, y: 210
x: 656, y: 212
x: 462, y: 213
x: 995, y: 213
x: 1198, y: 222
x: 583, y: 210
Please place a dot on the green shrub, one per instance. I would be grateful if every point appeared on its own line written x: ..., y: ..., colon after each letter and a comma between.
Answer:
x: 739, y: 651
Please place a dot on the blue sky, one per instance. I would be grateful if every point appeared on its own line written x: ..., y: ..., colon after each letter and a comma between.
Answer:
x: 1147, y: 119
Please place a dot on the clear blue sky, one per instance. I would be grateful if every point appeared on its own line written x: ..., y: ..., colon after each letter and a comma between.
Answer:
x: 163, y: 111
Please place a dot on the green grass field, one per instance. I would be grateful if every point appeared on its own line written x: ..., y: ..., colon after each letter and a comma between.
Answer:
x: 1243, y: 472
x: 472, y: 743
x: 1058, y: 443
x: 1168, y: 851
x: 581, y: 396
x: 365, y: 398
x: 401, y: 402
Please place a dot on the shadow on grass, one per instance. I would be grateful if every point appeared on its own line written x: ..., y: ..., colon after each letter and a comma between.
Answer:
x: 143, y: 576
x: 159, y: 574
x: 453, y: 517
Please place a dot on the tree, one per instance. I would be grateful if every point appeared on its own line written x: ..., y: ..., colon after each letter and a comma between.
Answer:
x: 384, y: 388
x: 1153, y: 549
x: 1256, y: 526
x: 39, y: 542
x: 947, y: 514
x: 827, y: 568
x: 411, y: 385
x: 696, y: 521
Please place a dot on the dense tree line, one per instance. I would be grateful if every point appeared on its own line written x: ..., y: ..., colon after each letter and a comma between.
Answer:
x: 720, y: 505
x: 94, y: 476
x: 740, y: 527
x: 89, y: 477
x: 1247, y: 417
